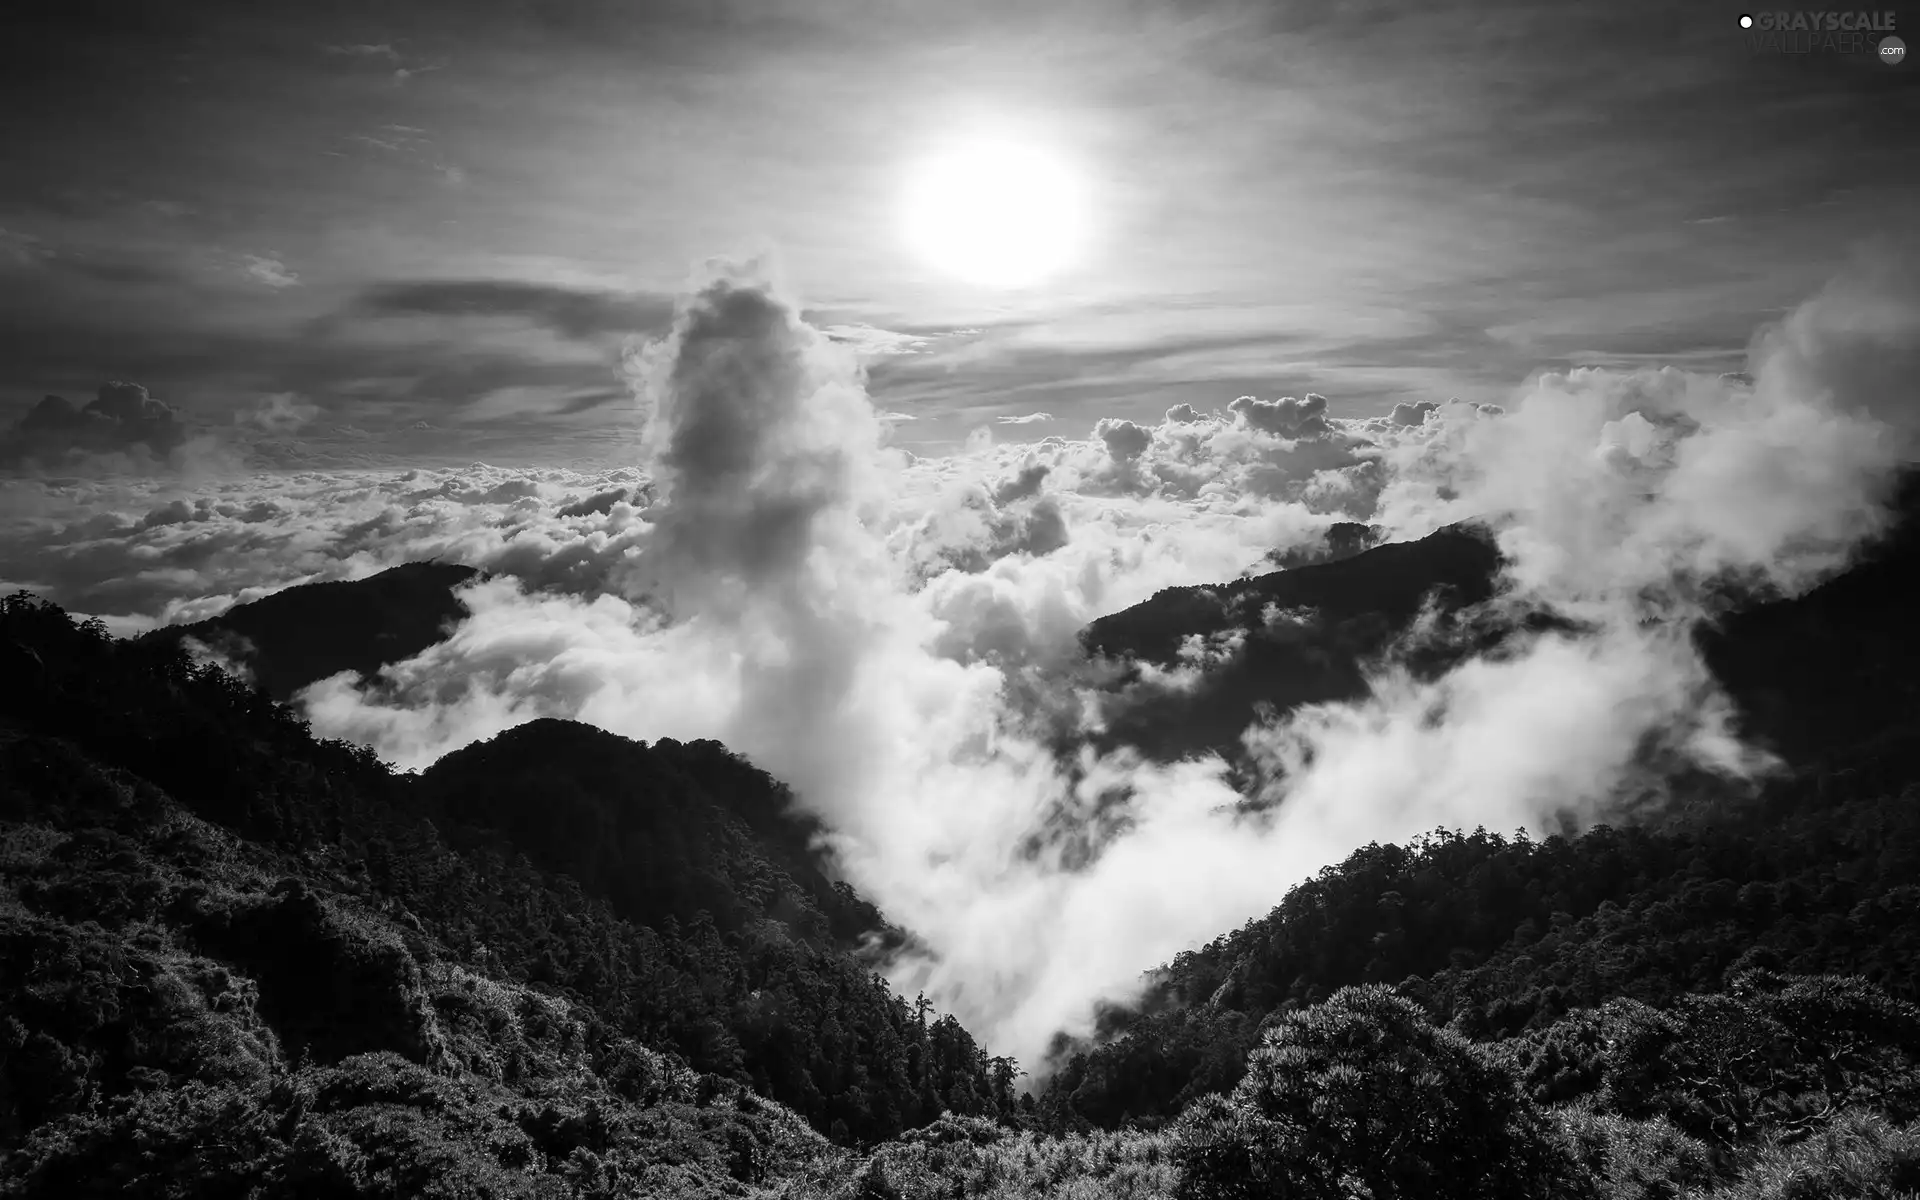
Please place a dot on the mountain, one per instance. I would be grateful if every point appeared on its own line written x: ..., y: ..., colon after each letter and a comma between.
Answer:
x: 1809, y: 674
x: 239, y: 961
x: 308, y: 632
x: 236, y: 962
x: 1834, y: 672
x: 1306, y: 635
x: 262, y: 958
x: 664, y: 832
x: 1511, y: 939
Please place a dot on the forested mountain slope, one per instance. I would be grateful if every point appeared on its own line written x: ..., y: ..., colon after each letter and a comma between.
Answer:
x: 662, y: 831
x: 1309, y: 632
x: 209, y: 913
x: 306, y: 633
x: 1500, y: 938
x: 1809, y: 674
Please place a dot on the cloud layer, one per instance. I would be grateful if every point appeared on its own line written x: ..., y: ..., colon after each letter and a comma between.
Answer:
x: 896, y: 636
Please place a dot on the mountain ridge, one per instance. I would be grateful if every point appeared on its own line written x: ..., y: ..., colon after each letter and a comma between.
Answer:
x: 308, y: 632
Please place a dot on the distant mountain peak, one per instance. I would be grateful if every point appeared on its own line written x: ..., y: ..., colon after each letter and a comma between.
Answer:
x: 311, y: 631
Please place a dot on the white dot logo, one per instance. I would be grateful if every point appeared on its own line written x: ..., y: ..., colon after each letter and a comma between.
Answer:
x: 1892, y: 51
x: 1746, y: 22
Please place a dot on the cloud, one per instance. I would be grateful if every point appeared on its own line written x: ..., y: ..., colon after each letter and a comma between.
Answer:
x: 595, y: 505
x: 1856, y: 344
x: 270, y: 271
x: 402, y: 74
x: 163, y: 547
x: 279, y: 413
x: 1415, y: 413
x: 1285, y: 417
x: 895, y: 636
x: 365, y: 50
x: 382, y: 53
x: 121, y: 418
x: 1024, y: 485
x: 578, y: 313
x: 1026, y: 418
x: 874, y: 342
x: 1125, y: 441
x: 126, y: 432
x: 22, y: 249
x: 1656, y: 483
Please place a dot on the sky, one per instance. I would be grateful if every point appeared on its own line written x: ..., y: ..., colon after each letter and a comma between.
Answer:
x: 615, y: 301
x: 431, y: 228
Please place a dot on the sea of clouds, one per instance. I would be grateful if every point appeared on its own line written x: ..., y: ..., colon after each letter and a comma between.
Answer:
x: 895, y: 636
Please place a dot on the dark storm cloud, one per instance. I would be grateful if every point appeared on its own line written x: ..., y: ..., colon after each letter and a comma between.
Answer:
x: 573, y: 312
x: 120, y: 417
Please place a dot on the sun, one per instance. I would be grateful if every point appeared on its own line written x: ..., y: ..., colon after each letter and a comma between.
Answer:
x: 995, y: 212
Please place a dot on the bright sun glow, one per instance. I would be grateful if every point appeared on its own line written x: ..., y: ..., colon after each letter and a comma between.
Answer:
x: 995, y: 213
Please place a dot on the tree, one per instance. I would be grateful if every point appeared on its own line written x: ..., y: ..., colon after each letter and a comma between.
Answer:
x: 1365, y: 1090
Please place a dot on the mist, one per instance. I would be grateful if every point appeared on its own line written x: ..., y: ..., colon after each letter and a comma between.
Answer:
x: 895, y: 638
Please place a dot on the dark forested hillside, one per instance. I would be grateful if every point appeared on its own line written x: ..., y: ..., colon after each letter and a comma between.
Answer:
x: 664, y: 832
x: 1834, y: 673
x: 1310, y: 631
x: 1809, y: 674
x: 209, y: 914
x: 306, y: 633
x: 1389, y: 583
x: 1498, y: 937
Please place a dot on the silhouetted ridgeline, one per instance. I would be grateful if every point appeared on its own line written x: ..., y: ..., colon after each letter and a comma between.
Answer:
x: 1809, y: 675
x: 665, y: 832
x: 1310, y: 632
x: 303, y: 634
